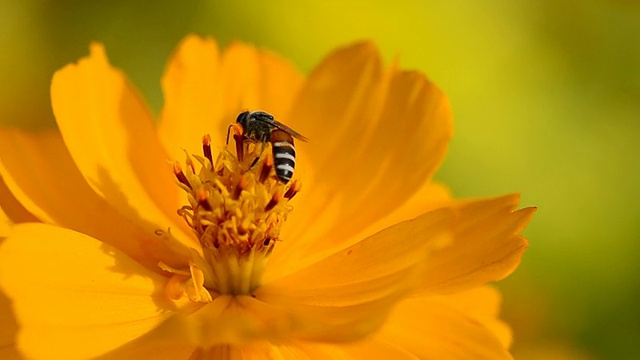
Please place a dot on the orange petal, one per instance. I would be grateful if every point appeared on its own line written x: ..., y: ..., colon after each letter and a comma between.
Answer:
x: 258, y: 79
x: 487, y: 246
x: 257, y: 351
x: 347, y: 295
x: 434, y: 330
x: 147, y: 348
x: 111, y: 137
x: 376, y: 138
x: 341, y: 298
x: 296, y: 351
x: 430, y: 196
x: 8, y: 329
x: 225, y: 320
x: 304, y: 350
x: 8, y: 325
x: 5, y: 223
x: 483, y: 305
x: 204, y: 91
x: 75, y: 297
x: 193, y: 97
x: 12, y: 210
x: 367, y: 349
x: 40, y: 171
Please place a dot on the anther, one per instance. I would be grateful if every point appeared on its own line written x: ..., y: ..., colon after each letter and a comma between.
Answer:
x: 293, y: 190
x: 238, y: 136
x: 202, y: 196
x: 206, y: 148
x: 177, y: 171
x: 242, y: 184
x: 239, y: 146
x: 267, y: 165
x: 275, y: 199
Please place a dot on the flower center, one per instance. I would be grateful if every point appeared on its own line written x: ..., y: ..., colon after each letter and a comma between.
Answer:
x: 236, y: 208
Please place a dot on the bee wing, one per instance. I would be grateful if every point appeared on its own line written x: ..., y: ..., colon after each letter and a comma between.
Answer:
x: 289, y: 131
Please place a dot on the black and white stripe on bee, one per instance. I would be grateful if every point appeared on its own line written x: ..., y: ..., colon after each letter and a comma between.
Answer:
x: 284, y: 157
x: 260, y: 126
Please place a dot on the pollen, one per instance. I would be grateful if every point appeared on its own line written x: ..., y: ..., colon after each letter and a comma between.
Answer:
x: 236, y: 208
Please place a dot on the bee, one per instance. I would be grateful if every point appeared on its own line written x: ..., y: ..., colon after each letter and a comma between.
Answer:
x: 261, y: 127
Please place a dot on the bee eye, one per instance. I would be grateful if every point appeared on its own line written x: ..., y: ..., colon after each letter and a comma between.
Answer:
x: 242, y: 116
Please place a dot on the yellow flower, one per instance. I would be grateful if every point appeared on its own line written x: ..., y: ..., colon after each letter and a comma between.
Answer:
x: 121, y: 264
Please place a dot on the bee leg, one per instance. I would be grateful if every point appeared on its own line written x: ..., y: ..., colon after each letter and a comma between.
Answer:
x: 255, y: 161
x: 228, y: 132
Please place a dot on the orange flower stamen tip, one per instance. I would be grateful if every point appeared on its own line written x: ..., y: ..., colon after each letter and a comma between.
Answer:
x: 237, y: 212
x: 295, y: 187
x: 206, y: 148
x: 275, y: 199
x: 182, y: 178
x: 267, y: 166
x: 242, y: 185
x: 202, y: 196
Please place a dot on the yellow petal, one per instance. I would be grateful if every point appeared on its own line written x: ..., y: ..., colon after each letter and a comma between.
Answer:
x: 111, y: 137
x: 347, y: 295
x: 487, y: 246
x: 434, y: 330
x: 42, y: 174
x: 204, y: 91
x: 74, y: 296
x: 375, y: 138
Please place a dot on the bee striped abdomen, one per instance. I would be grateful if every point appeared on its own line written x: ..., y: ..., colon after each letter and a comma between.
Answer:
x: 284, y: 155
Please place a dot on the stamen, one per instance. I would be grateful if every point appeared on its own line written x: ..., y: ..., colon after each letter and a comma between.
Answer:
x: 275, y: 199
x: 242, y: 184
x: 236, y: 212
x: 238, y: 136
x: 267, y: 165
x: 239, y: 146
x: 293, y: 190
x: 206, y: 148
x: 186, y: 212
x: 202, y: 196
x: 177, y: 171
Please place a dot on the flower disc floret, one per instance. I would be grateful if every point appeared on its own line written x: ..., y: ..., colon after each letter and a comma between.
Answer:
x: 236, y: 209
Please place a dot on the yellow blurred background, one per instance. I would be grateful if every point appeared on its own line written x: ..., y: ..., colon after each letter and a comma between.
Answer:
x: 546, y: 99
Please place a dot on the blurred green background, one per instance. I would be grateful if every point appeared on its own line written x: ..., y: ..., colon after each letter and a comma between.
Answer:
x: 546, y: 98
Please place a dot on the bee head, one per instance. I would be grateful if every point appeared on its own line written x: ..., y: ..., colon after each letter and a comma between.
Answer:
x: 242, y: 118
